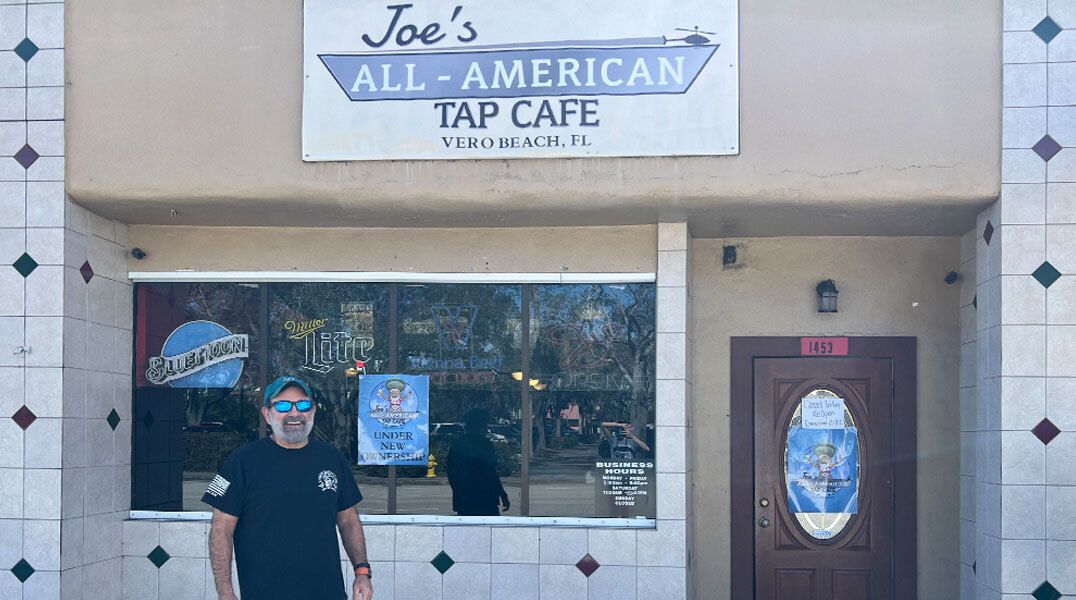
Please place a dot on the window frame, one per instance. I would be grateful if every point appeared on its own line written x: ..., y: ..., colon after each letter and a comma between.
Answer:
x: 523, y: 279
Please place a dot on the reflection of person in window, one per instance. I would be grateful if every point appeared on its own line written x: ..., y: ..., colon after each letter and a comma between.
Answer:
x: 621, y: 443
x: 472, y: 470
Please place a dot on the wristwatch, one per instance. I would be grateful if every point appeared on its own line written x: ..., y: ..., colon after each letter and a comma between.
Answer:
x: 363, y: 569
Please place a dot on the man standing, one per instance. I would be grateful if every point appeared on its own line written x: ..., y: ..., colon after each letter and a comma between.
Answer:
x: 278, y: 502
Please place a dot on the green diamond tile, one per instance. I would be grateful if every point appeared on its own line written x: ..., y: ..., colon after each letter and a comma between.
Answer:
x: 158, y: 557
x: 25, y: 265
x: 22, y: 570
x: 442, y: 562
x: 1046, y: 274
x: 1046, y: 592
x: 113, y: 419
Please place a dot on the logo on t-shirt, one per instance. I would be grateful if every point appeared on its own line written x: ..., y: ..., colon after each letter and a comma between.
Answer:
x: 327, y: 480
x: 218, y: 486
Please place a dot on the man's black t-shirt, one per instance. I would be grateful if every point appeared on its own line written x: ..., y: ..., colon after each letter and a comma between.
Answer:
x: 286, y: 501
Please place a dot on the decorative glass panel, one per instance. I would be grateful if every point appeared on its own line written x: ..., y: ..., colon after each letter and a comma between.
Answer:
x: 822, y: 464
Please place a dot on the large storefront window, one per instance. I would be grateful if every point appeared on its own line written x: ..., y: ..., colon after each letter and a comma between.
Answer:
x: 541, y: 397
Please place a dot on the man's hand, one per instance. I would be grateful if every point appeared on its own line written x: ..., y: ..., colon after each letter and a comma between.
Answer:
x: 362, y: 589
x: 228, y: 596
x: 505, y: 503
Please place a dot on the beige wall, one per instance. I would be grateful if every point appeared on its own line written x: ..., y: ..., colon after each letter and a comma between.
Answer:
x: 567, y: 249
x: 882, y: 117
x: 888, y: 286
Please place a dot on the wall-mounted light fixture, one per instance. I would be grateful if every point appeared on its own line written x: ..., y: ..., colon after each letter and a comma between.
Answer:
x: 827, y: 296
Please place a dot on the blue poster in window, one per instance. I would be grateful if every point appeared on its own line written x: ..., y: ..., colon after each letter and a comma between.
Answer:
x: 394, y: 419
x: 822, y: 470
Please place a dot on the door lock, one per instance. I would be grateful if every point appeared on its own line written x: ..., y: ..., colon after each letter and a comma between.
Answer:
x: 764, y: 522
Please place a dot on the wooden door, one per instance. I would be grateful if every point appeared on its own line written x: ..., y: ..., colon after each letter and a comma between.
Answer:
x: 824, y: 518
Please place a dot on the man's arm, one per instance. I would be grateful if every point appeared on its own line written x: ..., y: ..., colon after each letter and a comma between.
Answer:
x: 220, y: 552
x: 355, y: 544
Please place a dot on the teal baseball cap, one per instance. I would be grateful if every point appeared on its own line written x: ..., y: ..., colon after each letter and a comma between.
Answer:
x: 273, y: 389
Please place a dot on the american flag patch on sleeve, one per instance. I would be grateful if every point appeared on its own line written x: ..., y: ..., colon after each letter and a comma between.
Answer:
x: 218, y: 486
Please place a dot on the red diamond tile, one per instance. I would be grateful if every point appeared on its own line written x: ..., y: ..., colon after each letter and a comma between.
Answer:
x: 587, y: 565
x: 1046, y: 431
x: 24, y: 417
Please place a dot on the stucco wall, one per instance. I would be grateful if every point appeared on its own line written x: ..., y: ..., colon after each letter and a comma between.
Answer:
x: 889, y: 286
x: 435, y: 250
x: 859, y: 108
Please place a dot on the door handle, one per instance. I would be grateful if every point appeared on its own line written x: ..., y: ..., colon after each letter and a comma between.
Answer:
x: 764, y: 522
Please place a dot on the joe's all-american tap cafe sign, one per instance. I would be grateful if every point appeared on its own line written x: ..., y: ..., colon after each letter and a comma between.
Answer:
x: 430, y: 79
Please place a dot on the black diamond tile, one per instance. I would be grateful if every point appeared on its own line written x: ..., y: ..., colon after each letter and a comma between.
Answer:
x: 26, y: 156
x: 24, y: 417
x: 158, y: 557
x: 87, y: 271
x: 26, y: 49
x: 22, y: 570
x: 1046, y: 274
x: 442, y: 562
x: 113, y: 419
x: 1046, y: 148
x: 25, y: 265
x: 988, y: 233
x: 973, y: 570
x: 147, y: 420
x: 587, y: 565
x: 975, y: 301
x: 1047, y: 30
x: 1046, y: 431
x: 1046, y: 592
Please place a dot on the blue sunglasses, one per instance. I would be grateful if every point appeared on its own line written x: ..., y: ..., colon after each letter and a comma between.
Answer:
x: 284, y: 406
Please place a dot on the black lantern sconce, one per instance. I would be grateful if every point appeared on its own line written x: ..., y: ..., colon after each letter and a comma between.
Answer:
x: 827, y: 296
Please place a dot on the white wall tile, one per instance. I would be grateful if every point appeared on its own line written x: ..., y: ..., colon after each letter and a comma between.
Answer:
x: 12, y: 70
x: 11, y: 493
x: 1022, y: 47
x: 11, y: 389
x: 46, y: 245
x: 664, y: 546
x: 104, y: 579
x: 99, y: 490
x: 672, y: 310
x: 72, y: 542
x: 45, y: 103
x: 671, y: 356
x: 671, y: 498
x: 612, y: 546
x: 1023, y: 166
x: 1061, y: 203
x: 515, y: 581
x: 98, y: 534
x: 100, y: 347
x: 12, y: 292
x: 1023, y: 402
x: 467, y: 581
x: 672, y: 268
x: 12, y: 25
x: 417, y: 543
x: 74, y: 343
x: 561, y: 546
x: 1062, y: 87
x: 967, y: 541
x: 671, y: 402
x: 12, y: 212
x: 1023, y: 350
x: 417, y: 581
x: 1023, y: 203
x: 12, y: 137
x: 182, y: 578
x: 671, y: 449
x: 1061, y: 351
x: 1061, y: 302
x: 1060, y: 504
x: 662, y: 582
x: 45, y: 204
x: 1061, y: 403
x: 561, y: 582
x: 1024, y: 249
x: 10, y: 444
x: 44, y: 584
x: 74, y: 443
x: 614, y: 582
x: 71, y: 584
x: 1061, y: 247
x: 139, y: 578
x: 1064, y: 12
x: 41, y: 492
x: 672, y: 236
x: 1023, y: 565
x: 1062, y: 47
x: 11, y: 331
x: 45, y: 336
x: 73, y: 491
x: 41, y: 543
x: 140, y: 537
x: 43, y: 444
x: 45, y: 292
x: 46, y: 137
x: 1023, y: 458
x: 185, y: 538
x: 514, y: 545
x: 11, y: 533
x: 1061, y: 565
x: 1023, y: 301
x: 12, y: 104
x: 1022, y: 15
x: 46, y: 168
x: 1023, y: 512
x: 45, y: 25
x: 46, y: 68
x: 1060, y: 456
x: 468, y: 543
x: 988, y: 509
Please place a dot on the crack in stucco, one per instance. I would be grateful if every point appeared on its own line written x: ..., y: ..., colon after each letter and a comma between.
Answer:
x: 858, y: 171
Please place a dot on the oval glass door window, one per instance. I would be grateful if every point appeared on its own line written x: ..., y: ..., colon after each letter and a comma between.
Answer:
x: 822, y: 470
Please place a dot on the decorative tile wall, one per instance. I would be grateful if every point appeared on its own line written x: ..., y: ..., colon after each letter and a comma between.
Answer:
x: 168, y: 560
x: 1026, y: 330
x: 65, y: 320
x: 968, y: 424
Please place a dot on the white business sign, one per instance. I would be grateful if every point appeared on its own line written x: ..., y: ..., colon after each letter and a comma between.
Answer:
x: 429, y: 79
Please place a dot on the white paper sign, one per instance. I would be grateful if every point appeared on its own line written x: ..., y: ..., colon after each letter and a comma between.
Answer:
x: 428, y: 79
x: 822, y: 413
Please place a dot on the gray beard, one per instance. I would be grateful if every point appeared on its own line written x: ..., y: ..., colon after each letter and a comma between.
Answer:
x: 291, y: 437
